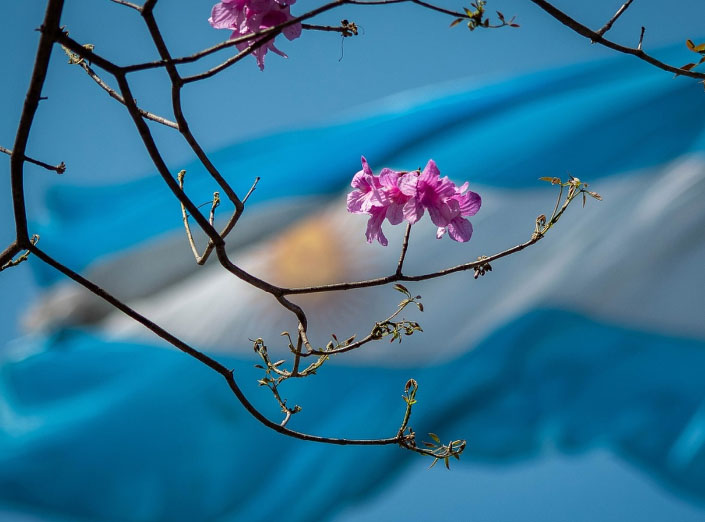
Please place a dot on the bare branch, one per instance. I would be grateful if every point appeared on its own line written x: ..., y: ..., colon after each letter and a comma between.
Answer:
x: 204, y: 359
x: 49, y: 31
x: 576, y: 187
x: 114, y: 94
x: 128, y: 4
x: 87, y: 54
x: 10, y: 252
x: 231, y: 61
x: 59, y: 169
x: 252, y: 189
x: 23, y: 257
x: 404, y: 247
x: 346, y: 29
x: 176, y: 85
x: 612, y: 20
x: 184, y: 215
x: 597, y: 38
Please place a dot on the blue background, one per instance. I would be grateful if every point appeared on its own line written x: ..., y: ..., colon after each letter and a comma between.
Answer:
x: 401, y: 48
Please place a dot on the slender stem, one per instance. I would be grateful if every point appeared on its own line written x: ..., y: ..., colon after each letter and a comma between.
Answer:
x: 455, y: 14
x: 325, y: 28
x: 49, y: 31
x: 59, y: 169
x: 88, y: 54
x: 10, y: 252
x: 404, y: 247
x: 158, y: 161
x: 395, y: 277
x: 597, y: 38
x: 128, y: 4
x: 252, y: 189
x: 115, y: 95
x: 231, y: 61
x: 184, y: 216
x: 558, y: 202
x: 616, y: 16
x: 176, y: 85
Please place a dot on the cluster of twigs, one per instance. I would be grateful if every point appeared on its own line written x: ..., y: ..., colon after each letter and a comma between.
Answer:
x: 85, y: 56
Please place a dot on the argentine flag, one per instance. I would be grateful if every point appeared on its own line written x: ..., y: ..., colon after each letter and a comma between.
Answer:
x: 593, y: 339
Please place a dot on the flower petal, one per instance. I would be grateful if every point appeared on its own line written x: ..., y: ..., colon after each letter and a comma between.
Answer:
x: 374, y: 226
x: 407, y: 184
x: 389, y: 178
x: 366, y: 166
x: 223, y: 16
x: 413, y: 210
x: 430, y: 172
x: 460, y: 229
x: 395, y: 213
x: 469, y: 203
x: 355, y: 201
x: 292, y: 32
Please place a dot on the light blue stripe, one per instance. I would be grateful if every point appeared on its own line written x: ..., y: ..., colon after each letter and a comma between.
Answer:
x: 162, y: 425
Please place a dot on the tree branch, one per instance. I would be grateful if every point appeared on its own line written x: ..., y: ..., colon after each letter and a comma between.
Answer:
x: 612, y: 20
x: 115, y: 95
x: 49, y: 31
x: 59, y: 169
x: 204, y: 359
x: 404, y: 247
x: 597, y: 38
x: 128, y: 4
x: 176, y: 85
x: 10, y: 252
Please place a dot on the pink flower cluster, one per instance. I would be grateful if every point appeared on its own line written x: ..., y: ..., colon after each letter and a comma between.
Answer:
x: 249, y: 16
x: 399, y: 196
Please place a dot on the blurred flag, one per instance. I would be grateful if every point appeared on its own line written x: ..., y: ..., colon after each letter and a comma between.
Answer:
x: 595, y: 337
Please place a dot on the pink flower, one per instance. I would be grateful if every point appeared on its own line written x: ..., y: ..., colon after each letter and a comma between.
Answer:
x: 397, y: 196
x: 446, y: 203
x: 378, y: 196
x: 249, y: 16
x: 426, y: 190
x: 459, y: 228
x: 368, y: 191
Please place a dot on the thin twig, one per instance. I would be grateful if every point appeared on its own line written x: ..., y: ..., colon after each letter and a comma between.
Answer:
x: 346, y: 29
x: 602, y: 30
x: 231, y: 61
x: 395, y: 278
x: 597, y: 38
x: 59, y: 169
x: 404, y: 247
x: 176, y: 85
x: 274, y: 30
x: 88, y: 54
x: 252, y: 189
x: 115, y: 95
x: 201, y: 259
x: 21, y: 258
x: 155, y: 155
x: 9, y: 253
x: 455, y: 14
x: 297, y: 351
x: 49, y: 31
x: 128, y: 4
x: 641, y: 38
x: 184, y: 215
x: 576, y: 188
